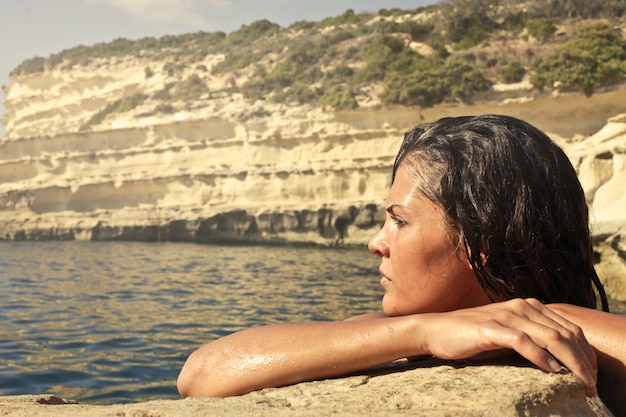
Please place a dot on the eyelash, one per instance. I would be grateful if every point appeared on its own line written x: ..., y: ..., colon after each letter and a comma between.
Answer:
x: 398, y: 221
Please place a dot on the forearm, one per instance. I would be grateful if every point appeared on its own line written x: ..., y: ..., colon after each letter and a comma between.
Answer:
x: 279, y: 355
x: 284, y: 354
x: 605, y: 332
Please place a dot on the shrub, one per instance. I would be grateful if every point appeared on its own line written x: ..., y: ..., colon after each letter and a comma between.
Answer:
x: 255, y: 89
x: 118, y: 106
x: 468, y: 22
x: 540, y: 28
x: 299, y: 93
x: 351, y: 53
x: 338, y: 36
x: 255, y: 30
x: 382, y: 52
x: 236, y: 59
x: 347, y: 18
x: 338, y: 75
x: 165, y: 108
x: 30, y: 66
x: 570, y: 8
x: 432, y: 81
x: 99, y: 116
x: 148, y: 72
x: 512, y: 73
x: 340, y: 98
x: 597, y: 56
x: 472, y: 33
x: 164, y: 93
x: 417, y: 31
x: 171, y: 67
x: 190, y: 89
x: 130, y: 102
x: 302, y: 25
x: 515, y: 22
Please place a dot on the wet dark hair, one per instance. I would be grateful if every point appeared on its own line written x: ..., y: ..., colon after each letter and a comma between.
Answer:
x: 516, y: 202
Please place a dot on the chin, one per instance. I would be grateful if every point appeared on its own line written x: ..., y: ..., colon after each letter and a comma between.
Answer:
x: 394, y: 311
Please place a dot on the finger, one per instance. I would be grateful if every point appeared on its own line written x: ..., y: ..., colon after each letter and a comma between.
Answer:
x: 574, y: 334
x: 556, y: 338
x: 527, y: 347
x: 577, y: 331
x: 556, y: 329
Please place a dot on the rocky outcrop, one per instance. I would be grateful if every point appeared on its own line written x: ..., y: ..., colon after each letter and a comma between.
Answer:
x: 601, y: 164
x: 600, y: 160
x: 430, y: 389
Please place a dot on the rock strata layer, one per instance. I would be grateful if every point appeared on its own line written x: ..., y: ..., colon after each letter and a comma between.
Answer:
x: 434, y: 389
x: 223, y: 169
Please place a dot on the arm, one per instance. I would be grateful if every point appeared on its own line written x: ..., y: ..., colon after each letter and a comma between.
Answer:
x: 279, y: 355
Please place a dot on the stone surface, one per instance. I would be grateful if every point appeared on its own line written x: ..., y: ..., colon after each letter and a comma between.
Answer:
x: 429, y: 389
x: 600, y: 160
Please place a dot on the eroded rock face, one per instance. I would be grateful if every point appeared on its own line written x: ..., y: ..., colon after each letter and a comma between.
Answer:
x: 431, y: 389
x: 601, y: 164
x: 600, y: 161
x: 288, y: 173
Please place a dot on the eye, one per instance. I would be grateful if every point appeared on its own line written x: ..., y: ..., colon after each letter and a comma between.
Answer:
x: 398, y: 221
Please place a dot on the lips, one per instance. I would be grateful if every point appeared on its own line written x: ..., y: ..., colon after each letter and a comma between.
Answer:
x: 383, y: 280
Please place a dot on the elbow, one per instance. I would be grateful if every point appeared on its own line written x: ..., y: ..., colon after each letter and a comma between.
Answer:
x: 186, y: 379
x: 184, y: 383
x: 205, y: 375
x: 194, y: 380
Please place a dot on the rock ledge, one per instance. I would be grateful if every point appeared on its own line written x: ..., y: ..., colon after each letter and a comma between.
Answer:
x: 431, y: 388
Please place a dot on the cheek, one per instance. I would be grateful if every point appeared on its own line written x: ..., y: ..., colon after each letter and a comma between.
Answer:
x: 435, y: 282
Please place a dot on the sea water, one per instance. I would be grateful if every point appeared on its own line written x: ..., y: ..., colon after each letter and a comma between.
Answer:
x: 114, y: 322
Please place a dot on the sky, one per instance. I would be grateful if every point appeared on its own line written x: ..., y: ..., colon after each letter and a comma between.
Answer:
x: 42, y: 27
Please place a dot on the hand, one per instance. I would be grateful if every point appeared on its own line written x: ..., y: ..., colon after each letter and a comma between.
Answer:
x: 526, y: 326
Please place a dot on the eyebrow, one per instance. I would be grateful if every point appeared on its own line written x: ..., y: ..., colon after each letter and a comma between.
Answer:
x: 392, y: 207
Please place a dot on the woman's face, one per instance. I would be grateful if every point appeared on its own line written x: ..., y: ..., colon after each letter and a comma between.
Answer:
x: 422, y: 269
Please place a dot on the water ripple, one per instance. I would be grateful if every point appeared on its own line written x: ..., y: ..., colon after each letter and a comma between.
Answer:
x: 113, y: 322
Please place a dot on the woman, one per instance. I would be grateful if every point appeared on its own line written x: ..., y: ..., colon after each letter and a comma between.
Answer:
x: 486, y: 229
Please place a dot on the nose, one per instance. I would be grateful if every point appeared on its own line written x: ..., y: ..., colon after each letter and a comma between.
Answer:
x: 378, y: 245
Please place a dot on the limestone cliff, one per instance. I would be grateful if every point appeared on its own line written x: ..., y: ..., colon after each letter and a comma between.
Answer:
x: 230, y: 170
x: 182, y: 139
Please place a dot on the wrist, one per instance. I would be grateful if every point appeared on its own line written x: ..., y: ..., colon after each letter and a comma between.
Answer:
x: 415, y: 330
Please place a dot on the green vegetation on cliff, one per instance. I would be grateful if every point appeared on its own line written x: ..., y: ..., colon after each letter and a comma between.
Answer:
x: 597, y: 56
x: 420, y: 57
